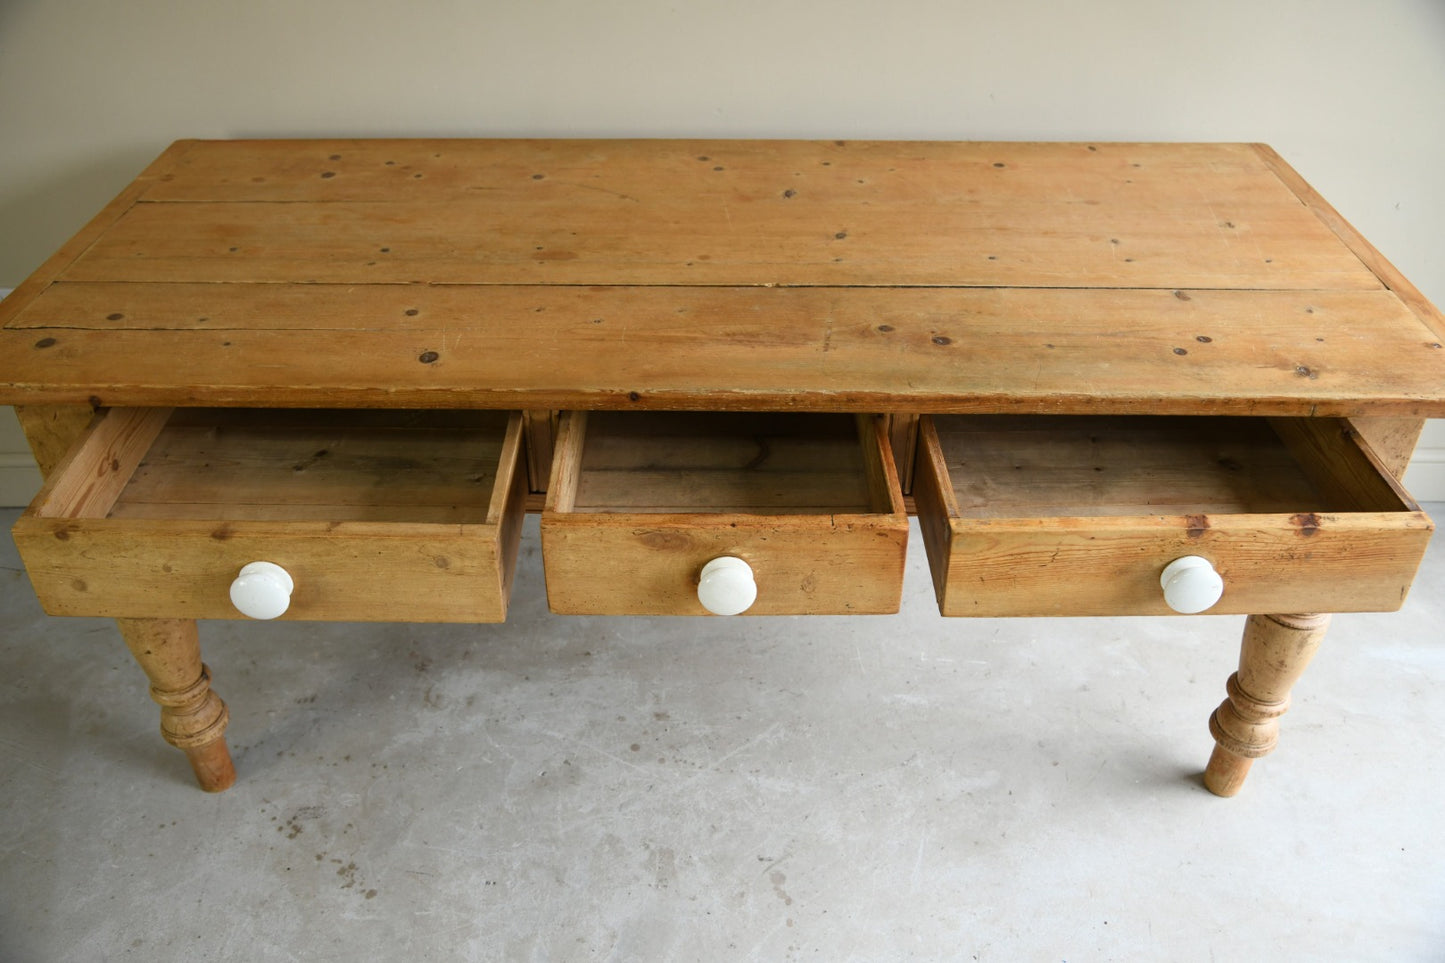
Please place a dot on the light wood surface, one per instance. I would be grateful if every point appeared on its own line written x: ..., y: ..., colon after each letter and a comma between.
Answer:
x: 766, y: 464
x: 1275, y: 652
x: 153, y: 517
x: 872, y: 276
x: 1079, y: 516
x: 193, y: 717
x: 910, y: 280
x: 818, y: 515
x: 52, y: 430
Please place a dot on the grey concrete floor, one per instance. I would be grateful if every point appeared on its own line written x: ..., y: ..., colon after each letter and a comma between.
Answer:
x: 885, y: 788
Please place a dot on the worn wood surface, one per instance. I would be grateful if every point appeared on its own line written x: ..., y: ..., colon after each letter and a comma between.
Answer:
x: 1003, y: 538
x: 52, y: 430
x: 900, y: 277
x: 1274, y: 653
x: 844, y: 557
x: 169, y: 543
x: 1393, y: 439
x: 193, y: 717
x: 671, y: 462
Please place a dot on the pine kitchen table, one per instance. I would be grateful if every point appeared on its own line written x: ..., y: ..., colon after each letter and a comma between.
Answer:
x: 326, y: 379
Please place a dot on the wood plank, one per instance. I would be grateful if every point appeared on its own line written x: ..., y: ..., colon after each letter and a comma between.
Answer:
x: 1346, y: 471
x: 643, y: 564
x: 936, y: 506
x: 839, y: 349
x: 52, y: 430
x: 903, y: 439
x: 1024, y: 243
x: 508, y: 509
x: 1368, y: 254
x: 668, y: 462
x: 92, y: 476
x: 885, y: 492
x: 565, y: 170
x: 43, y: 276
x: 364, y: 475
x: 1346, y: 562
x: 566, y: 462
x: 725, y: 212
x: 352, y: 571
x: 1393, y: 439
x: 540, y: 433
x: 1032, y: 467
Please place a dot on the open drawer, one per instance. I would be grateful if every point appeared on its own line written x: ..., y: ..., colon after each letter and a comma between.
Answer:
x: 1072, y: 515
x: 640, y: 503
x: 371, y: 515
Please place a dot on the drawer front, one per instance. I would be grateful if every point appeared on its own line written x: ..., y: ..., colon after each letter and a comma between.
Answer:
x: 121, y: 528
x: 650, y: 564
x: 1300, y: 518
x: 645, y: 562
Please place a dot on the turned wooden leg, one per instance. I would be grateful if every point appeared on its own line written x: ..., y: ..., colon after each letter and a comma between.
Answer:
x: 1275, y: 651
x: 193, y: 718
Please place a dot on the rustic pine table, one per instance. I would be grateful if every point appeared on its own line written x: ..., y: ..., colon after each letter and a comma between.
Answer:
x: 325, y: 380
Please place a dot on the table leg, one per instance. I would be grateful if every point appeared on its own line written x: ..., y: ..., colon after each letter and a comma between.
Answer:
x: 193, y: 718
x: 1274, y: 653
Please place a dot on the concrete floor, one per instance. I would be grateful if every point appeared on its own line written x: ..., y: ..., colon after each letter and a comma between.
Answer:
x: 887, y: 788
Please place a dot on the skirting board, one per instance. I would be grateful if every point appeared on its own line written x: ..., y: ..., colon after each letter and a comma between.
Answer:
x: 1425, y: 478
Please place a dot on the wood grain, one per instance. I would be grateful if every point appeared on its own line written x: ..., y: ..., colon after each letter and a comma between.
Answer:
x: 1368, y: 254
x: 1282, y: 540
x: 103, y: 221
x: 788, y: 275
x: 169, y: 544
x: 629, y: 557
x: 94, y: 473
x: 52, y: 430
x: 1274, y: 653
x: 286, y: 464
x: 671, y: 463
x: 850, y: 349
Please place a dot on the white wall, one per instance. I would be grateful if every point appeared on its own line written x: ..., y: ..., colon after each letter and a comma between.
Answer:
x: 1353, y: 94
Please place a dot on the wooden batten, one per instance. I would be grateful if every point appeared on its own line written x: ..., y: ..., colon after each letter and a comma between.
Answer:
x: 87, y: 482
x: 884, y: 488
x: 566, y: 461
x: 540, y: 434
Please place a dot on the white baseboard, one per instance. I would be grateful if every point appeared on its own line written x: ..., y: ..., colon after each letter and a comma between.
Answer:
x: 1425, y: 478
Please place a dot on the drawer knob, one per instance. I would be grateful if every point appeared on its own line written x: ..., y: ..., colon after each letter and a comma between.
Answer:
x: 1190, y: 584
x: 262, y: 591
x: 726, y: 586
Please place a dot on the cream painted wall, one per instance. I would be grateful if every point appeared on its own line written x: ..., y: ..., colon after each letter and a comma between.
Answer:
x: 1353, y: 94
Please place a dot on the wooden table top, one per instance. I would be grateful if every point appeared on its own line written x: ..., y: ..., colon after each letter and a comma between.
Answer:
x: 887, y: 276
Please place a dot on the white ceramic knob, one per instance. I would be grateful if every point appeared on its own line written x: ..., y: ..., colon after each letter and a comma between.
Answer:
x: 262, y: 591
x: 726, y: 586
x: 1190, y: 584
